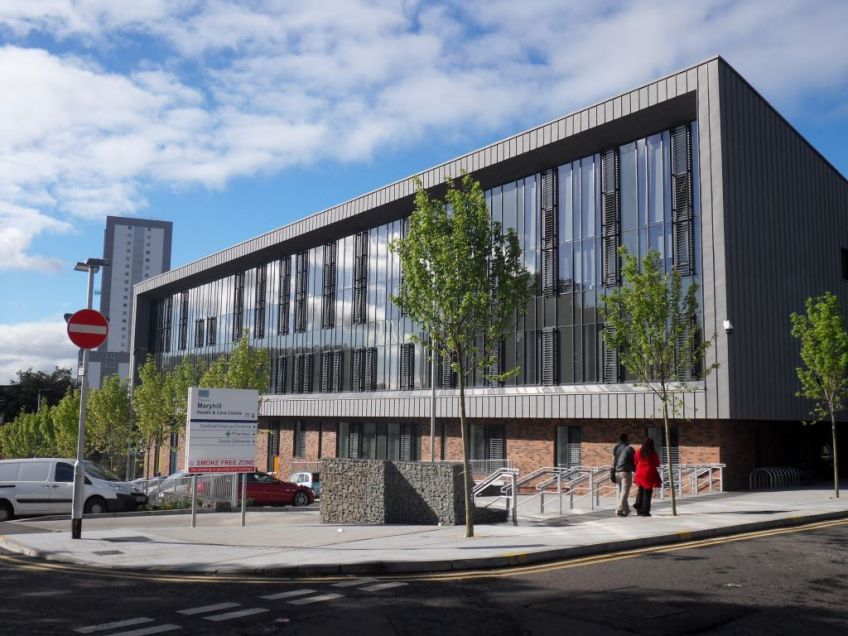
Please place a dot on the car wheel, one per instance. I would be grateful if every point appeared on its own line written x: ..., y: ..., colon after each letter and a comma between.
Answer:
x: 7, y: 513
x: 95, y: 506
x: 301, y: 499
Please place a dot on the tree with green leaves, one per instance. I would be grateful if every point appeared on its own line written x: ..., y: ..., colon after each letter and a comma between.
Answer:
x: 152, y: 405
x: 824, y: 353
x: 652, y: 323
x: 462, y: 279
x: 109, y: 418
x: 66, y: 423
x: 245, y: 368
x: 29, y: 435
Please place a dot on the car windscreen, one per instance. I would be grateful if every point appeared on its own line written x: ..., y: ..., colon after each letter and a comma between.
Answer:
x: 99, y: 472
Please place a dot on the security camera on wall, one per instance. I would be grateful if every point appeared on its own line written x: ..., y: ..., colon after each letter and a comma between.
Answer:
x: 728, y: 327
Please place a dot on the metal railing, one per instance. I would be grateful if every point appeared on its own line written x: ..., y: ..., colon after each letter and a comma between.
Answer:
x: 509, y: 491
x: 212, y: 488
x: 698, y: 477
x: 482, y: 468
x: 769, y: 477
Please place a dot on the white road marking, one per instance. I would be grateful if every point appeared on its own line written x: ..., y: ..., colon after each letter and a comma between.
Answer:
x: 290, y: 594
x: 353, y: 583
x: 207, y: 608
x: 315, y: 599
x: 250, y: 611
x: 155, y: 629
x: 383, y: 586
x: 106, y: 626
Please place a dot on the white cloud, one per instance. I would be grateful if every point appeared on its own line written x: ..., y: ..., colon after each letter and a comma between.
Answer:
x: 41, y: 346
x: 212, y: 90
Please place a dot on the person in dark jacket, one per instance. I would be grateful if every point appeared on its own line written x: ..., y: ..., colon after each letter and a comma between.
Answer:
x: 623, y: 462
x: 647, y: 477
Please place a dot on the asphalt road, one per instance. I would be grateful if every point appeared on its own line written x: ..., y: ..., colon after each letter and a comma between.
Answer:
x: 782, y: 582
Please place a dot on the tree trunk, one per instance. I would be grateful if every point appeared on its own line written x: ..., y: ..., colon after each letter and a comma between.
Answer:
x: 835, y: 462
x: 668, y: 459
x: 468, y: 483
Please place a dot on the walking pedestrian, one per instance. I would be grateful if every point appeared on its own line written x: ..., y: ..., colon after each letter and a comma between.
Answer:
x: 647, y: 477
x: 624, y: 464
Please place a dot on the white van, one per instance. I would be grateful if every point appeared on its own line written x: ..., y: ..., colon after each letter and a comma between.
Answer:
x: 46, y: 485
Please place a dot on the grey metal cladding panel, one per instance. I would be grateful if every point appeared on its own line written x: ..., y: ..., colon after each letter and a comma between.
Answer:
x: 786, y: 214
x: 652, y: 94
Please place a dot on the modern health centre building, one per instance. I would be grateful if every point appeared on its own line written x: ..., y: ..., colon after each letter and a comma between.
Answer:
x: 696, y: 165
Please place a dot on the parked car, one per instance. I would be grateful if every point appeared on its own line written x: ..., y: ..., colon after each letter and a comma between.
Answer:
x: 266, y: 490
x: 44, y: 486
x: 310, y: 480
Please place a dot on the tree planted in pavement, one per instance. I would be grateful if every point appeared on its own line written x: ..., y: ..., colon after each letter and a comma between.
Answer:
x: 824, y: 352
x: 462, y: 279
x: 652, y: 323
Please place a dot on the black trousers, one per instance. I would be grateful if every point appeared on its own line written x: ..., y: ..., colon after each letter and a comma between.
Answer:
x: 643, y: 501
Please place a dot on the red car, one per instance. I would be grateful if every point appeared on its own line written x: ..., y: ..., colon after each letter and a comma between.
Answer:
x: 266, y: 490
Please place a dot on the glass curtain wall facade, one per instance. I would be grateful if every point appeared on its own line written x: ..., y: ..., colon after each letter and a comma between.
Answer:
x: 357, y: 346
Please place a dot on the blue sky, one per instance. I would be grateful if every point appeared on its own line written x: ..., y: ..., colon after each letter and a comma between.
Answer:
x: 233, y: 118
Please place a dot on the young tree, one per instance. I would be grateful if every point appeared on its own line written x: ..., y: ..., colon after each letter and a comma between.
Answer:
x: 29, y: 435
x: 462, y: 279
x: 653, y: 325
x: 109, y: 421
x: 245, y: 368
x: 824, y: 352
x: 152, y: 406
x: 66, y: 423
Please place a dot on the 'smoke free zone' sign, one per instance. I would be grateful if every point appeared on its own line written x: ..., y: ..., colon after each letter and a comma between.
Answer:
x: 221, y: 430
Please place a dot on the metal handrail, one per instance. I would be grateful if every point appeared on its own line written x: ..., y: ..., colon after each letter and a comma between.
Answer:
x: 484, y: 483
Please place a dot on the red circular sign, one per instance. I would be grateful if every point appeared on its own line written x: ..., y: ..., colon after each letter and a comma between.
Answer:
x: 88, y: 329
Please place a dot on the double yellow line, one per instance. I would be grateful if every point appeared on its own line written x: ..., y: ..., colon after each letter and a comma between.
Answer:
x: 27, y: 564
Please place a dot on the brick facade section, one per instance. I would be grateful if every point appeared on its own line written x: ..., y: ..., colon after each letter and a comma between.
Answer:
x: 531, y: 444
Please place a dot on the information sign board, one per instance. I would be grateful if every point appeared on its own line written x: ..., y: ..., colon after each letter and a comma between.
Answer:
x: 221, y: 430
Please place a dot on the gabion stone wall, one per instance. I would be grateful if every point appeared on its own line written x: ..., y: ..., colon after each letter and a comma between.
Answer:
x: 376, y: 492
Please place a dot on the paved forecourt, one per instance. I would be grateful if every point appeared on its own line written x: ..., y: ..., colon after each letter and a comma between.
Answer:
x: 292, y: 541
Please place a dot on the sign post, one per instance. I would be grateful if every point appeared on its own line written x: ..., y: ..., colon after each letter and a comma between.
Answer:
x: 221, y: 433
x: 87, y: 329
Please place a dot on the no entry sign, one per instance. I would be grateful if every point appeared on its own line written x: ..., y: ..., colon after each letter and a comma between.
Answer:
x: 88, y: 328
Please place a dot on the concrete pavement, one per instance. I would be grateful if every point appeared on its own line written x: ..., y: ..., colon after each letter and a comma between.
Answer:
x: 293, y: 542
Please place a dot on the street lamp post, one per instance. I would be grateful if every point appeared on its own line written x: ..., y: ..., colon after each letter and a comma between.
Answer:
x: 91, y: 266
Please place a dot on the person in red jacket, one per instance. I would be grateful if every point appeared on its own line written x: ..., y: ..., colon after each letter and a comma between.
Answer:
x: 646, y: 478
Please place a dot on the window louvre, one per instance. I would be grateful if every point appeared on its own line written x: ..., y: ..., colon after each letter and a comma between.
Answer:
x: 407, y: 366
x: 682, y: 204
x: 238, y: 305
x: 285, y: 294
x: 360, y: 277
x: 167, y: 317
x: 328, y: 314
x: 259, y: 311
x: 338, y: 370
x: 301, y: 291
x: 212, y: 331
x: 612, y: 366
x: 610, y: 218
x: 278, y: 375
x: 183, y: 343
x: 498, y: 361
x: 326, y: 368
x: 681, y: 356
x: 299, y: 445
x: 371, y: 369
x: 448, y: 377
x: 550, y: 234
x: 657, y: 433
x: 199, y: 332
x: 302, y: 382
x: 358, y: 371
x: 550, y: 357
